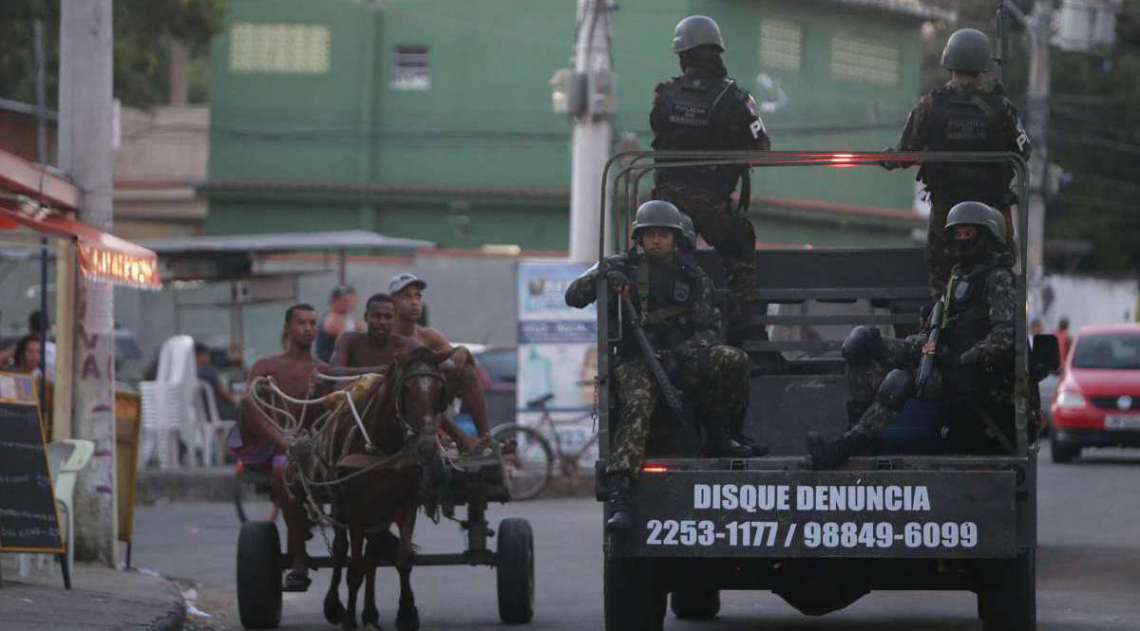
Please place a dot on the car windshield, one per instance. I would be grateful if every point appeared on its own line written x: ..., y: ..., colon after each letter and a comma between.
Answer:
x: 1108, y: 352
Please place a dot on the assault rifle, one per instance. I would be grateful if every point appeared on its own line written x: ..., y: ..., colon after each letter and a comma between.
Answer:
x: 668, y: 391
x: 926, y: 366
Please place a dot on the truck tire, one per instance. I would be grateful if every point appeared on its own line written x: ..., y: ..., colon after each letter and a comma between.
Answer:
x: 1062, y: 453
x: 259, y: 575
x: 515, y: 571
x: 1010, y: 599
x: 697, y: 604
x: 633, y: 602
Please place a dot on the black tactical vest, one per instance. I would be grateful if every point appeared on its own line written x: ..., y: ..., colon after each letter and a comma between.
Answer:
x: 966, y: 120
x: 670, y: 292
x: 691, y: 104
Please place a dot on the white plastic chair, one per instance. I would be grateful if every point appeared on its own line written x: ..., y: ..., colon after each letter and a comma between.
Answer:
x: 168, y: 402
x: 210, y: 429
x: 66, y: 458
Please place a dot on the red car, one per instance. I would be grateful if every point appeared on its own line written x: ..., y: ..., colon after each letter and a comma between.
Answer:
x: 1098, y: 400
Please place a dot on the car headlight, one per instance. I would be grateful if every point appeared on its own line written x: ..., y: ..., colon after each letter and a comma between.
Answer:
x: 1070, y: 400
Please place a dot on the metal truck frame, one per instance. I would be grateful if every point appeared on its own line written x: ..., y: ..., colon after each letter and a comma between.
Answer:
x: 819, y: 539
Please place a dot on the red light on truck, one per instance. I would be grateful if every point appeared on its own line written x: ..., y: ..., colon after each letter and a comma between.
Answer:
x: 654, y: 468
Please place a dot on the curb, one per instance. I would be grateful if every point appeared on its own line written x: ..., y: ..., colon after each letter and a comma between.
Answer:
x: 174, y: 618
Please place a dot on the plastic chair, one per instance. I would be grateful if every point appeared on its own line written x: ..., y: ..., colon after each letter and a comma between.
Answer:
x: 66, y: 458
x: 211, y: 429
x: 168, y: 402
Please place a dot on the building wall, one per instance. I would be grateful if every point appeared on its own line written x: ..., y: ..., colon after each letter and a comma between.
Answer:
x: 337, y: 109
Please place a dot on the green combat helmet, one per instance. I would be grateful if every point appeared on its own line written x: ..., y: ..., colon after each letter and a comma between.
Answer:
x: 696, y: 30
x: 658, y: 214
x: 688, y: 233
x: 977, y: 214
x: 968, y: 50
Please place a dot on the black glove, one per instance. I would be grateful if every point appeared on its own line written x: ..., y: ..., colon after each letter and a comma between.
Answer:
x: 617, y: 280
x: 889, y: 165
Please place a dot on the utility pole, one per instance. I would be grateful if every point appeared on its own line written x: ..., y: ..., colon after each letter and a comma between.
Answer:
x: 1037, y: 111
x: 85, y: 119
x: 592, y: 134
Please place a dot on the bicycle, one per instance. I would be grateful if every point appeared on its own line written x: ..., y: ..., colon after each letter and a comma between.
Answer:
x: 531, y: 466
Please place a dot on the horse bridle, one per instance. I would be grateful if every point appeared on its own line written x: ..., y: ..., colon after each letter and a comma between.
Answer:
x: 409, y: 431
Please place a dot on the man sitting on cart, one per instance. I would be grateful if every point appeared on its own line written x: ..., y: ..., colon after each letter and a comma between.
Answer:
x: 406, y: 291
x: 375, y: 349
x: 262, y: 442
x: 972, y: 359
x: 675, y: 300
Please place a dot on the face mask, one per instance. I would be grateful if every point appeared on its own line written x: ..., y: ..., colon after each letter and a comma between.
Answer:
x: 971, y: 250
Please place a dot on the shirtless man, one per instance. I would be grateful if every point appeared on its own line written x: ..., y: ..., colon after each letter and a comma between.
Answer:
x: 374, y: 350
x: 406, y: 291
x: 292, y: 372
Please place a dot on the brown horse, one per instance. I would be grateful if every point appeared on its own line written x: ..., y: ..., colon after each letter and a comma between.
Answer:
x: 401, y: 424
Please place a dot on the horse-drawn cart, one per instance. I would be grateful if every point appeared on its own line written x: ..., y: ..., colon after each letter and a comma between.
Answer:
x: 470, y: 482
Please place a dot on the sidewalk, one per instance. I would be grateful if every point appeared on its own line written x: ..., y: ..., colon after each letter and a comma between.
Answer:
x: 100, y: 598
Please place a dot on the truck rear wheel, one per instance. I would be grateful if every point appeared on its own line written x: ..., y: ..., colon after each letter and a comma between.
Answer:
x: 696, y: 604
x: 1008, y: 600
x: 633, y: 601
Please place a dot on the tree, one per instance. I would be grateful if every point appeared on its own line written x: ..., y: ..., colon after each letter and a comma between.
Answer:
x: 143, y: 30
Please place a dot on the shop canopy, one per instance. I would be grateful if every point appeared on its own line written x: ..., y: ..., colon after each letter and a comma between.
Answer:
x: 37, y: 199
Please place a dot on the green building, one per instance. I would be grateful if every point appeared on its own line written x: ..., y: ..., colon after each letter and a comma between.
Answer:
x: 432, y: 119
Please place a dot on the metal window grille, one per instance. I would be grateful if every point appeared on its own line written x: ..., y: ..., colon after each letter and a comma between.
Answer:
x: 279, y: 48
x: 859, y: 60
x: 781, y: 45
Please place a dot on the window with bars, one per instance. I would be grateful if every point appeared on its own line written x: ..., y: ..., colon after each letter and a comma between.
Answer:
x: 279, y: 48
x: 412, y: 68
x: 781, y: 45
x: 860, y: 60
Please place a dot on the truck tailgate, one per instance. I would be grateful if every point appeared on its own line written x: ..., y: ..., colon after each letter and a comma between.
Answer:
x: 879, y: 514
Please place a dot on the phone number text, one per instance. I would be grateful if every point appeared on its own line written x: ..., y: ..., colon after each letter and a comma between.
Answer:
x: 811, y: 535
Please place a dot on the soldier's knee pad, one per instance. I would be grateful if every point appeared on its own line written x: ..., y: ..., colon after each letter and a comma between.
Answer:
x: 895, y: 389
x: 862, y: 343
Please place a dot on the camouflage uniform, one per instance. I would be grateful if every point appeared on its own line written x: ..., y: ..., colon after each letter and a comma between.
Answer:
x: 974, y: 369
x: 703, y: 111
x: 960, y: 116
x: 683, y: 324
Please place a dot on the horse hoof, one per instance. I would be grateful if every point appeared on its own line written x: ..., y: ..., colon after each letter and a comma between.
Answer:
x: 334, y: 611
x: 408, y: 619
x: 370, y: 619
x: 348, y: 624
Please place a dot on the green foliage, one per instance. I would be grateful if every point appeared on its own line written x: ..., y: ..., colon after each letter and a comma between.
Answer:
x: 142, y: 30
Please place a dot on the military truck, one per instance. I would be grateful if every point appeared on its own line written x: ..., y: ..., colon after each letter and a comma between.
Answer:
x: 819, y: 539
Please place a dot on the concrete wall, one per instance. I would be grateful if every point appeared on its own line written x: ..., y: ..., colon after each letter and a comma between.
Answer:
x: 1086, y: 300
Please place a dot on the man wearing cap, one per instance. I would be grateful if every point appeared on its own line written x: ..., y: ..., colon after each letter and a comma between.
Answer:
x: 406, y: 290
x: 342, y: 302
x: 704, y: 109
x: 966, y: 114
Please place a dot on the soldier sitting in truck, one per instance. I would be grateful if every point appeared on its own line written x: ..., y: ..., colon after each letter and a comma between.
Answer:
x: 675, y: 301
x: 970, y: 344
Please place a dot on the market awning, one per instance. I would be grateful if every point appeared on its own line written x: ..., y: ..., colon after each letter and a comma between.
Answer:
x: 285, y: 242
x: 102, y: 256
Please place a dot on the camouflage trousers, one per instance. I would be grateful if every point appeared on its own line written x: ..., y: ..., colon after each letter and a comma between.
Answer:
x: 717, y: 378
x: 865, y: 414
x: 728, y: 231
x: 939, y: 256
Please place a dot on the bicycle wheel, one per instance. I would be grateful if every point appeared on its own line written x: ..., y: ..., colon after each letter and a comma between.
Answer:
x: 528, y: 469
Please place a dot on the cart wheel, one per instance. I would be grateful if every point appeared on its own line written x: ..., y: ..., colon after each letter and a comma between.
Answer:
x: 632, y: 598
x: 1013, y: 583
x: 695, y: 604
x: 259, y: 575
x: 515, y: 571
x: 531, y: 464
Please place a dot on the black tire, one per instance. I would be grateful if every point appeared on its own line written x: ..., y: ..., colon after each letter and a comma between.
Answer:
x: 529, y: 468
x: 633, y: 600
x: 697, y: 604
x: 1009, y: 598
x: 259, y: 575
x: 515, y: 571
x: 1061, y: 452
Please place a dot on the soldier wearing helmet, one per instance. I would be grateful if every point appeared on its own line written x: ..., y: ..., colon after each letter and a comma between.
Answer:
x: 973, y: 375
x: 675, y: 301
x: 704, y: 109
x: 966, y: 114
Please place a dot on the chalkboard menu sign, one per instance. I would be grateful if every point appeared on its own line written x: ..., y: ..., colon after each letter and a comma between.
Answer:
x: 28, y: 519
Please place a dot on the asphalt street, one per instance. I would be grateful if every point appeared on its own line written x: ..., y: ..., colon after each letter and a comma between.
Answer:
x: 1088, y: 567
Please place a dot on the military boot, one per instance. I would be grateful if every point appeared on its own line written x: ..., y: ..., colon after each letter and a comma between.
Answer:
x: 617, y: 502
x: 719, y: 442
x: 830, y: 454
